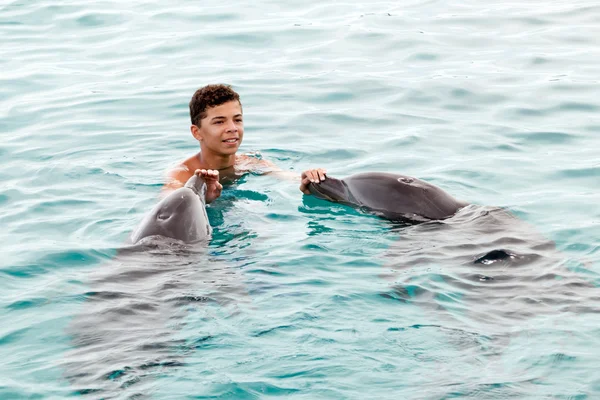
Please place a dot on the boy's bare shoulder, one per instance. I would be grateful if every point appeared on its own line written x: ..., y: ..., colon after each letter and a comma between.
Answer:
x: 190, y: 164
x: 182, y: 168
x: 179, y: 173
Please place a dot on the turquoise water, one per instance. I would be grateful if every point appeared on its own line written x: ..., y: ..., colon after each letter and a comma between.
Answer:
x: 495, y: 102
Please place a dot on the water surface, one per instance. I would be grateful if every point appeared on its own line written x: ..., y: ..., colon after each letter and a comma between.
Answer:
x: 495, y: 102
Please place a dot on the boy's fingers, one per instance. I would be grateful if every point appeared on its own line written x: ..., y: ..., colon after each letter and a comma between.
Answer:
x: 322, y: 173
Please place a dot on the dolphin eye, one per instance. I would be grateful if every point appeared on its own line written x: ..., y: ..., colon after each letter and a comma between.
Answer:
x: 163, y: 216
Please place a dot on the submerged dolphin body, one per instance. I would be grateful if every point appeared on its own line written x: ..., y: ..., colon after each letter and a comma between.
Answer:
x: 180, y: 216
x: 127, y: 332
x: 392, y: 196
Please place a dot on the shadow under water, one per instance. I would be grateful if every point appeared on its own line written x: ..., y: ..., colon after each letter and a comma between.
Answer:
x: 485, y: 267
x: 126, y: 332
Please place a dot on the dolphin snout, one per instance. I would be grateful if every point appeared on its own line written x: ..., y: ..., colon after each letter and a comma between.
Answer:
x: 330, y: 189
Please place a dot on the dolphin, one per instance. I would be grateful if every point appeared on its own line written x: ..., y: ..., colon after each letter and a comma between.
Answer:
x: 392, y: 196
x: 181, y: 215
x: 124, y: 333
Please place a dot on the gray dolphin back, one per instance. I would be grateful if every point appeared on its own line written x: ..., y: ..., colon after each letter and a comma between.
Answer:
x: 181, y: 215
x: 393, y: 196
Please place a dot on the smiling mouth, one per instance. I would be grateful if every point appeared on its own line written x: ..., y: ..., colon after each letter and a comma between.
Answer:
x: 230, y: 141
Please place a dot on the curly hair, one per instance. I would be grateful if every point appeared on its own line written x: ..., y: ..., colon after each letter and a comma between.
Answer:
x: 210, y: 96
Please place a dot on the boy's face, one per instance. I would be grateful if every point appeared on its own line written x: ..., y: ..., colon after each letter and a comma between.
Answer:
x: 222, y: 130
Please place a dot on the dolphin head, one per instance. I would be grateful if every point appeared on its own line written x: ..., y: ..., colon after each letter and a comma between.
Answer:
x: 198, y: 186
x: 181, y: 215
x: 331, y: 189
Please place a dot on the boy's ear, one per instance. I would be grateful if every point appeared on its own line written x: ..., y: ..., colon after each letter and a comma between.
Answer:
x: 196, y: 132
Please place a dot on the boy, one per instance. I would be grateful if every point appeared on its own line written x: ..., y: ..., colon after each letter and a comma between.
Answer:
x: 218, y: 125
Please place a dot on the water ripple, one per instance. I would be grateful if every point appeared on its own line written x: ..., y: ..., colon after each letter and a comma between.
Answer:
x: 295, y: 296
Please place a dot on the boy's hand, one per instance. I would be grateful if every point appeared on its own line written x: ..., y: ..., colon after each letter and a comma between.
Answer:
x: 311, y: 175
x: 213, y: 186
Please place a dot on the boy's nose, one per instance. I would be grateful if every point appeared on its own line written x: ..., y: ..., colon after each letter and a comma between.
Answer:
x: 231, y: 127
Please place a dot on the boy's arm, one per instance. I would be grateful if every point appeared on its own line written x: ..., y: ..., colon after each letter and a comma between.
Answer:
x: 270, y: 168
x: 311, y: 175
